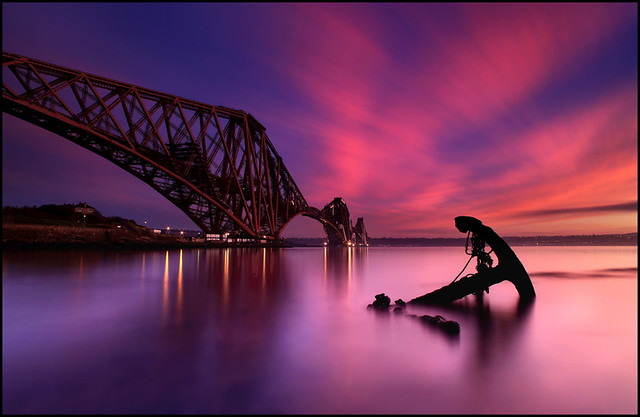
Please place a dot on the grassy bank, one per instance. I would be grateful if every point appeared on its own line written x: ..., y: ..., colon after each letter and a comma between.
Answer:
x: 39, y: 236
x: 22, y: 236
x: 63, y: 227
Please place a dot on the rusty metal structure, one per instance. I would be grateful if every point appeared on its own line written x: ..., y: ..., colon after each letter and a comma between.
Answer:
x: 214, y: 163
x: 339, y: 227
x: 360, y: 233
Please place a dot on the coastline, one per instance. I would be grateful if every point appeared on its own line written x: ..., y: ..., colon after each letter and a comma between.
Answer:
x: 28, y: 236
x: 42, y: 236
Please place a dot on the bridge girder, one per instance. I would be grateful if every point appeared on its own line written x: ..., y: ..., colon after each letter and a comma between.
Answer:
x: 214, y: 163
x: 360, y: 233
x: 337, y: 224
x: 338, y: 227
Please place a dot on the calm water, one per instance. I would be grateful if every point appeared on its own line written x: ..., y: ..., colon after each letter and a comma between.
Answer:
x: 288, y: 331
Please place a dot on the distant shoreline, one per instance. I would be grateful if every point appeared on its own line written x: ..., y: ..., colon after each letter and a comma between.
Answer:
x: 81, y: 226
x: 19, y: 236
x: 42, y: 236
x: 626, y: 239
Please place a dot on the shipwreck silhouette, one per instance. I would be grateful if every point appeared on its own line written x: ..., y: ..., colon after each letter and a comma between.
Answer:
x: 509, y: 267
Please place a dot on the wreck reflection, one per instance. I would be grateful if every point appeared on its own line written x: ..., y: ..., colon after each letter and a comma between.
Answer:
x: 497, y: 330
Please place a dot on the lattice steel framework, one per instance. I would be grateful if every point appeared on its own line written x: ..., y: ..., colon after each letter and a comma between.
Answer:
x: 214, y: 163
x: 338, y: 227
x: 360, y: 233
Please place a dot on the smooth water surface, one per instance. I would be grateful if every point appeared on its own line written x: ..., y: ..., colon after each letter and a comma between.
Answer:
x: 288, y: 331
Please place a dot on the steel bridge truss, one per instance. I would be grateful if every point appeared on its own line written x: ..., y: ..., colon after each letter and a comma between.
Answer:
x: 214, y: 163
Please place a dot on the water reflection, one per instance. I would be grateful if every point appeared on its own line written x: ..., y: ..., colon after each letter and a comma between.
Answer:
x: 225, y: 291
x: 165, y: 289
x: 76, y: 262
x: 205, y: 327
x: 80, y: 267
x: 498, y: 332
x: 180, y: 287
x: 226, y: 279
x: 142, y: 271
x: 342, y: 265
x: 167, y: 314
x: 287, y: 331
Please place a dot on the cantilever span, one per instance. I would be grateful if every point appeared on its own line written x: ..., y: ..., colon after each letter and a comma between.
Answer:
x: 214, y: 163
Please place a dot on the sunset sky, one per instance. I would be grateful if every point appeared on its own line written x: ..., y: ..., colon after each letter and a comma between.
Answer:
x: 522, y: 115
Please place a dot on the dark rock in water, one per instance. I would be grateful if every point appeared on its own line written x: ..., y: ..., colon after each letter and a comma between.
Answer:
x: 449, y: 326
x: 397, y: 310
x: 382, y: 301
x: 400, y: 303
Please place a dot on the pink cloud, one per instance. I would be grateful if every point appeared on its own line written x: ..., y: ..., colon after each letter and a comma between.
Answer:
x: 505, y: 52
x: 585, y: 158
x: 380, y: 124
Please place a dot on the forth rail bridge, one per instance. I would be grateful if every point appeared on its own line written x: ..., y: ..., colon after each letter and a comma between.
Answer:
x: 214, y: 163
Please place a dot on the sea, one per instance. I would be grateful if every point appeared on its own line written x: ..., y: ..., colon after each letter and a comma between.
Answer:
x: 290, y: 330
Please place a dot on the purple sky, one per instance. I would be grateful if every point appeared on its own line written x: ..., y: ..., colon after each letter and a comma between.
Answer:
x: 523, y: 115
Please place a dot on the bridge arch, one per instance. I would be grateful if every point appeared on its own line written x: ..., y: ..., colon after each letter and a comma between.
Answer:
x: 336, y: 220
x: 214, y: 163
x: 313, y: 214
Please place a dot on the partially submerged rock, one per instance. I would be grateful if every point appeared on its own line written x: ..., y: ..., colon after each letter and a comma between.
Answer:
x: 449, y: 326
x: 381, y: 302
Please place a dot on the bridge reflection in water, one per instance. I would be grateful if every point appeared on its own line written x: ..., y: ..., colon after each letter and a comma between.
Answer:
x: 214, y: 163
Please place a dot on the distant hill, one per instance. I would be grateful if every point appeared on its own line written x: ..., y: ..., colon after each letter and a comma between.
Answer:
x: 63, y: 215
x: 80, y: 226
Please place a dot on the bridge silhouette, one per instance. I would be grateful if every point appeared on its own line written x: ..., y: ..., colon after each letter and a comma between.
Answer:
x: 214, y: 163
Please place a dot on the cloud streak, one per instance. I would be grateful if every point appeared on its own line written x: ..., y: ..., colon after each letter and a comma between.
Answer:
x: 631, y: 207
x: 460, y: 129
